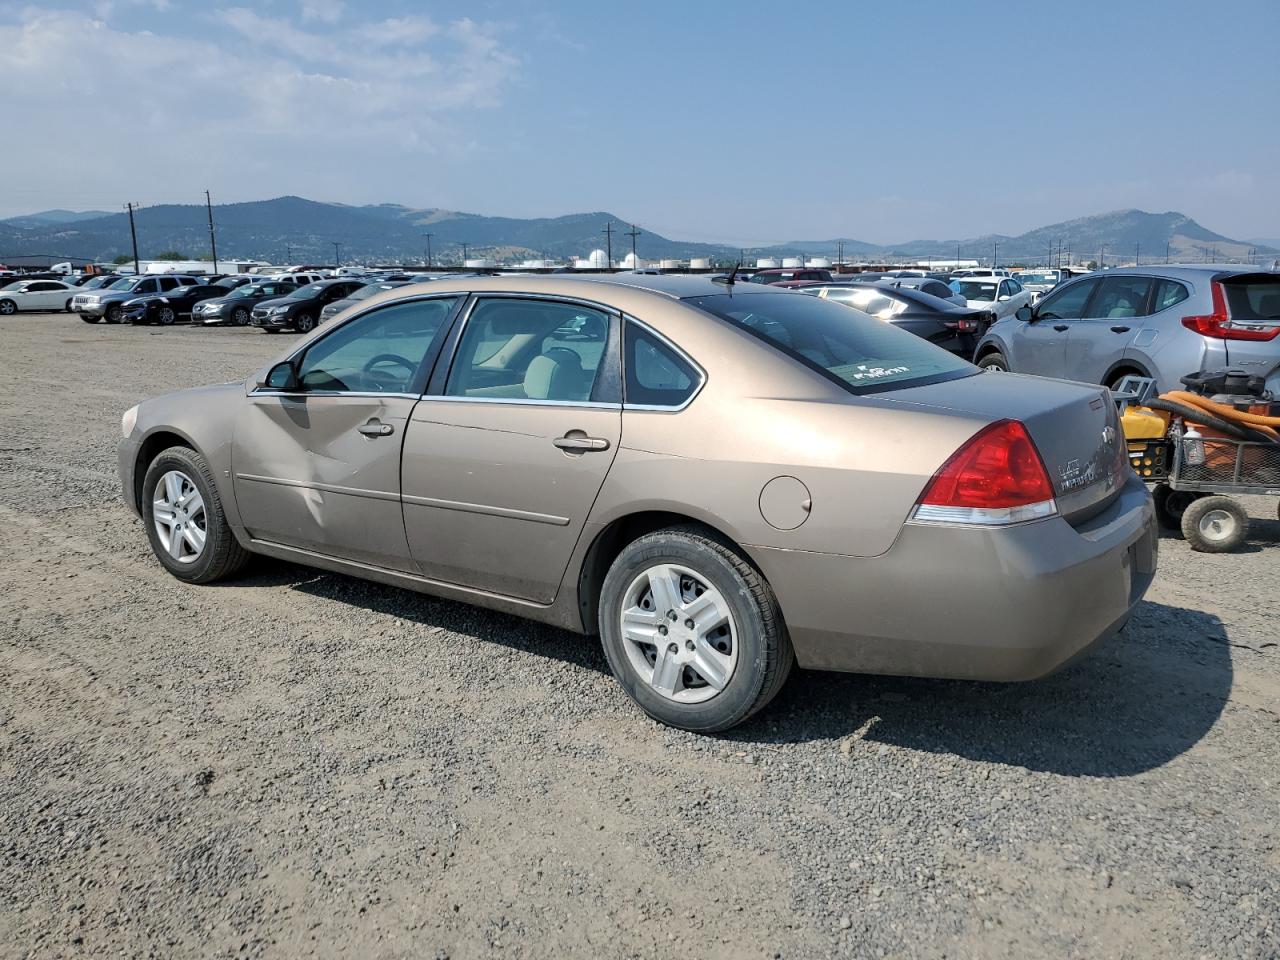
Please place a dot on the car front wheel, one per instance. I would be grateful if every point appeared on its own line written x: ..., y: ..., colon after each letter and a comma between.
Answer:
x: 995, y: 362
x: 692, y: 631
x: 8, y: 308
x: 113, y: 313
x: 185, y: 523
x: 240, y: 317
x: 167, y: 316
x: 305, y: 323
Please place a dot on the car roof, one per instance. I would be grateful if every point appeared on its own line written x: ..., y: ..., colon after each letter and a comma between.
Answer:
x: 1185, y: 271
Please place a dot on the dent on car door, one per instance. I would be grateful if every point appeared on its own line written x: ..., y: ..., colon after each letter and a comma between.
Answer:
x: 318, y: 467
x: 1097, y: 341
x: 504, y: 457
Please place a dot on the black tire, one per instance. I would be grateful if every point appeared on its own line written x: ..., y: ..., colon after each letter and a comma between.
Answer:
x: 1172, y: 504
x: 67, y: 306
x: 222, y: 555
x: 270, y: 329
x: 167, y: 316
x: 8, y: 308
x: 113, y: 313
x: 88, y: 319
x: 240, y: 317
x: 764, y: 655
x: 1215, y: 525
x: 994, y: 360
x: 304, y: 323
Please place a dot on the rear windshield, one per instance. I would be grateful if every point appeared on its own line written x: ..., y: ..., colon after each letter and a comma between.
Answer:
x: 861, y: 353
x: 1255, y: 300
x: 977, y: 290
x: 1038, y: 277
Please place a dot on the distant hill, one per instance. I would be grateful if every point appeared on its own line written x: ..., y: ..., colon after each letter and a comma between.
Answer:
x: 295, y: 229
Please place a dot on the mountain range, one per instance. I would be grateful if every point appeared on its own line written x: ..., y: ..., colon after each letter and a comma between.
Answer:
x: 294, y: 229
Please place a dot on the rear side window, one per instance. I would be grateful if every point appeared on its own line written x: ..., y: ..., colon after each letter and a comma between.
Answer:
x: 1168, y: 293
x: 656, y: 376
x: 1121, y: 297
x: 856, y: 351
x: 167, y: 284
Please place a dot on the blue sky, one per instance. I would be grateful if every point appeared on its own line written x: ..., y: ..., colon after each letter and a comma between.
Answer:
x: 737, y: 122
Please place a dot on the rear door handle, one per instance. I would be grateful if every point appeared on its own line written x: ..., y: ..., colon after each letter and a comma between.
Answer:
x: 376, y: 428
x: 581, y: 444
x: 1119, y: 329
x: 1061, y: 327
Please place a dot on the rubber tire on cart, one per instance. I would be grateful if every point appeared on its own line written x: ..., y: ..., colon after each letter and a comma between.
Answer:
x: 222, y: 554
x: 994, y: 361
x: 1215, y: 525
x: 764, y: 654
x: 1172, y: 504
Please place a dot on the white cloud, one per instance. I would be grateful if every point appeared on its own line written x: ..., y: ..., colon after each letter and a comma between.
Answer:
x: 324, y: 11
x: 274, y: 107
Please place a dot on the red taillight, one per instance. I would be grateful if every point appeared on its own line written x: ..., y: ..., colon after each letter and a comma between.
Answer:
x: 1219, y: 323
x: 997, y: 477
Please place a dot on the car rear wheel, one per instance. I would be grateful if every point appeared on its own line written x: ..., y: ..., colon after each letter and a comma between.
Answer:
x: 113, y: 313
x: 692, y: 631
x: 185, y: 523
x: 67, y: 306
x: 305, y: 323
x: 8, y: 308
x: 240, y: 317
x: 167, y: 316
x: 994, y: 361
x: 1215, y: 525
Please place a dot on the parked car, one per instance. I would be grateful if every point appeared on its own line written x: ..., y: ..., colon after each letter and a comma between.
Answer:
x: 780, y: 274
x: 235, y: 280
x: 107, y: 302
x: 929, y: 285
x: 363, y: 293
x: 1001, y: 295
x: 299, y: 277
x: 1039, y: 282
x: 1164, y: 322
x: 167, y: 308
x: 954, y: 328
x: 979, y: 272
x: 300, y: 310
x: 236, y: 307
x: 573, y: 450
x: 36, y: 295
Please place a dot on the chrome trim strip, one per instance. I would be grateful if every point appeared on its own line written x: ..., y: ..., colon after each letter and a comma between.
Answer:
x: 322, y: 487
x: 487, y: 510
x: 303, y: 394
x: 590, y: 404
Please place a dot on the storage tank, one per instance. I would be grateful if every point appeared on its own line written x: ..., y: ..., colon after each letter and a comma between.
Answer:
x: 768, y: 263
x: 821, y: 262
x: 479, y: 263
x: 700, y: 263
x: 792, y: 262
x: 670, y: 264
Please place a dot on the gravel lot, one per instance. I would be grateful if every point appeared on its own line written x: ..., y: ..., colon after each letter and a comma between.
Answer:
x: 300, y: 763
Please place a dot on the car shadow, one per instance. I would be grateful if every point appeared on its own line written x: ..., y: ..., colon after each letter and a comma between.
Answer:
x: 1135, y: 703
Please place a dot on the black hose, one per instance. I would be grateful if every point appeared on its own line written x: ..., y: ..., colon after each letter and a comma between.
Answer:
x: 1197, y: 415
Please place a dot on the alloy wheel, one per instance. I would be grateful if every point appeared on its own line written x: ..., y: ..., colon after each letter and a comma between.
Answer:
x: 8, y: 307
x: 679, y: 634
x: 167, y: 316
x: 240, y: 318
x: 178, y: 513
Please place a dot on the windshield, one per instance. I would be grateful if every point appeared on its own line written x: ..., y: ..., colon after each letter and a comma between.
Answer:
x: 1030, y: 277
x: 984, y: 292
x: 862, y: 354
x: 367, y: 291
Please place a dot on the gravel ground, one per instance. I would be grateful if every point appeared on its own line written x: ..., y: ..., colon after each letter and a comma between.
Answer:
x: 300, y: 763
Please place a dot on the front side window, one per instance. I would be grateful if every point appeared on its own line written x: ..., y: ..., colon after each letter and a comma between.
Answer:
x: 379, y: 352
x: 845, y: 345
x: 1121, y: 297
x: 656, y: 375
x: 530, y: 350
x: 1067, y: 303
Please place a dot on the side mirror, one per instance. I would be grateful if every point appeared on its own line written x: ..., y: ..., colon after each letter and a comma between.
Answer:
x: 1024, y: 313
x: 283, y: 376
x: 1003, y: 297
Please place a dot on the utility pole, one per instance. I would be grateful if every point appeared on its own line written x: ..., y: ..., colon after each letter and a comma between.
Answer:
x: 288, y: 254
x: 1102, y: 257
x: 995, y: 250
x: 428, y: 260
x: 134, y: 235
x: 464, y: 254
x: 337, y: 247
x: 1137, y: 254
x: 213, y: 245
x: 957, y: 256
x: 1166, y: 253
x: 608, y: 243
x: 633, y: 233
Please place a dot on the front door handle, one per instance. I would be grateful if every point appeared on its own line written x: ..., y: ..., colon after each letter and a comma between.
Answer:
x: 1061, y: 327
x: 1119, y: 329
x: 581, y: 444
x: 376, y: 428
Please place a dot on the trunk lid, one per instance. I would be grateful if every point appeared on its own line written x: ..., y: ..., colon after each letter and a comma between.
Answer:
x: 1254, y: 299
x: 1075, y: 427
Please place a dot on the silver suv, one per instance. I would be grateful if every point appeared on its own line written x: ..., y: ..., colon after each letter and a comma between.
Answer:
x: 1163, y: 322
x: 106, y: 303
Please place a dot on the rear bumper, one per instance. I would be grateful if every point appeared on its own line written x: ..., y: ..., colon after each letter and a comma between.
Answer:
x: 948, y: 601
